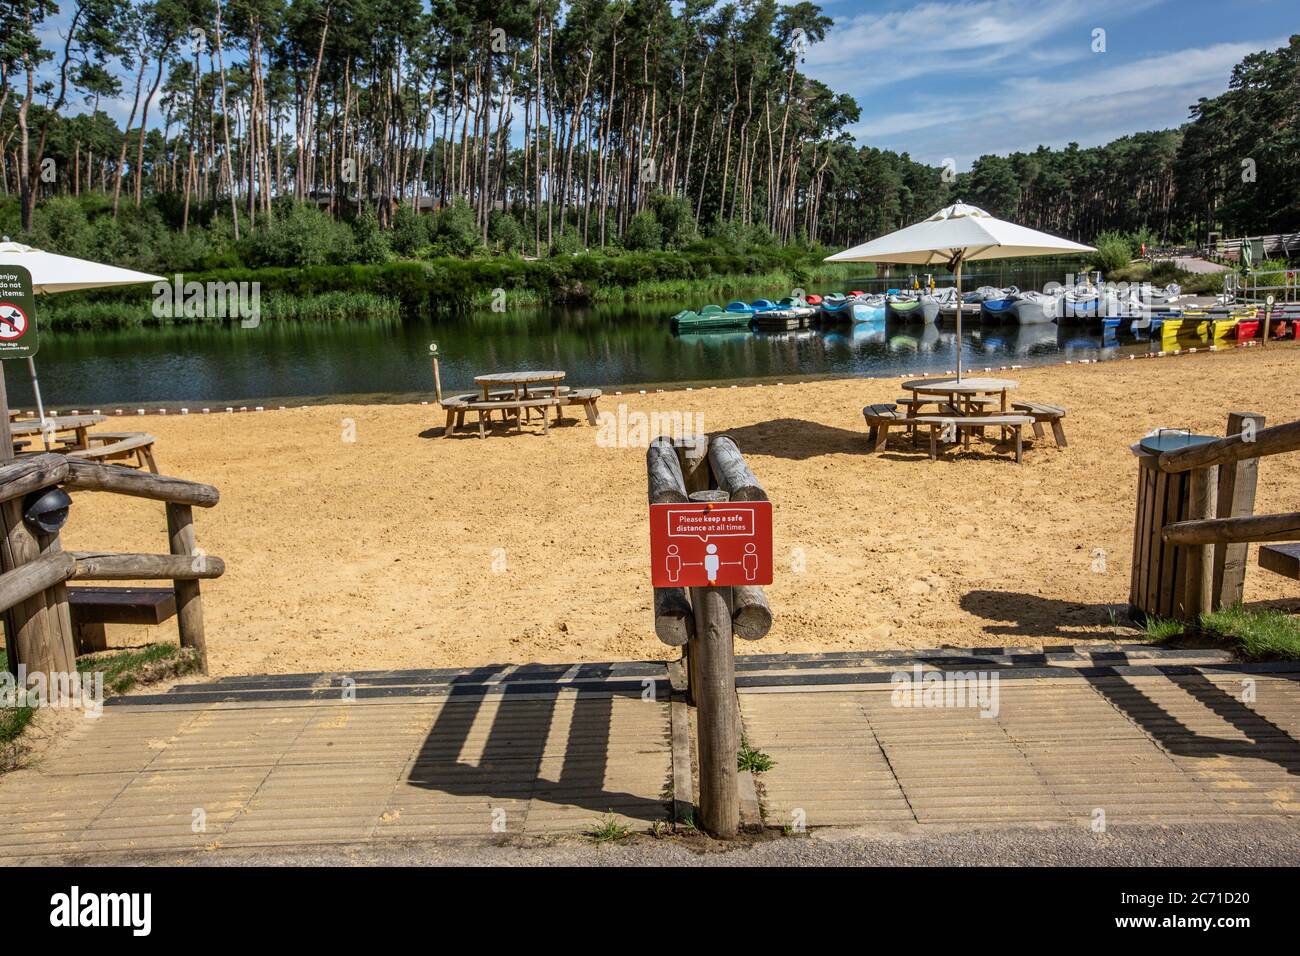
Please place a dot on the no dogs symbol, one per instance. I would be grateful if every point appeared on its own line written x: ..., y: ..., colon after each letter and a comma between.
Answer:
x: 13, y: 322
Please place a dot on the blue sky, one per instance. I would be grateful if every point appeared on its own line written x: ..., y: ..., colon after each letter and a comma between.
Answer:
x: 955, y: 79
x: 961, y: 78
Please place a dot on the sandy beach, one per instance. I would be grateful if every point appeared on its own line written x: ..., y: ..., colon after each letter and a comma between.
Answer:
x: 356, y: 538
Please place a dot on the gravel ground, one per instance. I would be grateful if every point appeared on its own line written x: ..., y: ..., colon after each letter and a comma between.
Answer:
x: 1263, y: 843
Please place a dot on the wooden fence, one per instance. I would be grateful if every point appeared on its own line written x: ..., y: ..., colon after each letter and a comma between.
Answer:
x: 1195, y: 519
x: 33, y: 589
x: 1282, y: 245
x: 703, y: 621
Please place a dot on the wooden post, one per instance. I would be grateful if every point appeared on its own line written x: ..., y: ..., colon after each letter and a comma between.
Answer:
x: 713, y: 675
x: 1236, y: 499
x: 1198, y: 585
x: 34, y: 629
x: 189, y: 605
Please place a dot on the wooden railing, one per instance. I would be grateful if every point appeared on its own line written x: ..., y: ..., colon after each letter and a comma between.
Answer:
x: 1195, y: 519
x: 33, y: 589
x: 1281, y: 244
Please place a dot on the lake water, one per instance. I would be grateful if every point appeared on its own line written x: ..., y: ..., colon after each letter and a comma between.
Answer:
x: 624, y: 346
x: 617, y: 346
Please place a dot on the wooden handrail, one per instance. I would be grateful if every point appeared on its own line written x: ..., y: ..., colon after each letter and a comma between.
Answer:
x: 34, y: 577
x: 104, y: 566
x: 19, y: 478
x: 1280, y: 527
x: 93, y: 476
x: 1267, y: 441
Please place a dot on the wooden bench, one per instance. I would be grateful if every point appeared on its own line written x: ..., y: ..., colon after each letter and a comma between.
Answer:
x: 1052, y: 414
x: 518, y: 407
x: 586, y: 397
x: 115, y: 446
x: 1283, y: 559
x: 915, y: 403
x: 880, y: 418
x: 975, y: 423
x: 93, y: 607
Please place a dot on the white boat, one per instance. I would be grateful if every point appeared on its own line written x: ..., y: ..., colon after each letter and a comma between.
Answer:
x: 1081, y: 303
x: 1036, y: 308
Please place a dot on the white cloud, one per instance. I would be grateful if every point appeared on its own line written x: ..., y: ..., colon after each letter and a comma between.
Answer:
x: 970, y: 35
x: 1089, y: 106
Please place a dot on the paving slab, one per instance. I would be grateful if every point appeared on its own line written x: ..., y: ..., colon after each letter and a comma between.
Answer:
x: 1081, y: 737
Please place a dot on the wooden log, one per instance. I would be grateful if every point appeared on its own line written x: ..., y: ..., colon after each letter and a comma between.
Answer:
x: 56, y: 597
x: 664, y: 472
x: 1199, y: 586
x: 30, y: 579
x: 1280, y: 527
x: 694, y: 461
x: 674, y: 617
x: 718, y: 724
x: 751, y: 616
x: 107, y: 566
x: 93, y: 476
x: 709, y: 494
x: 1267, y: 441
x: 731, y: 473
x: 1236, y: 499
x: 20, y: 478
x: 35, y: 637
x: 189, y: 604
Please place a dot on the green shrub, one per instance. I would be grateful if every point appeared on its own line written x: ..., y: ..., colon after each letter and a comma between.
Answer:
x: 456, y: 232
x: 410, y: 231
x: 567, y: 242
x: 643, y: 232
x: 300, y: 234
x: 506, y: 233
x: 675, y: 218
x: 370, y: 245
x: 1114, y: 252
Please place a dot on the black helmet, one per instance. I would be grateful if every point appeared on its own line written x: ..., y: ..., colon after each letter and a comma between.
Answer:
x: 47, y: 510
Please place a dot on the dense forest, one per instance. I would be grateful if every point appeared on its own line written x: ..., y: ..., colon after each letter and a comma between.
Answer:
x: 257, y: 126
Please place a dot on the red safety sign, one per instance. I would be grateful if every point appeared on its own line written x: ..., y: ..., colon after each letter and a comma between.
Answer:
x: 717, y: 544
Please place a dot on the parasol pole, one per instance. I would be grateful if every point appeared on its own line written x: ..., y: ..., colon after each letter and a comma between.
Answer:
x: 957, y: 275
x: 6, y: 436
x: 40, y: 406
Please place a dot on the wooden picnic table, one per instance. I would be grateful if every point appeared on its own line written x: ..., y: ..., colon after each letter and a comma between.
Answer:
x: 960, y: 393
x: 519, y: 381
x: 79, y: 425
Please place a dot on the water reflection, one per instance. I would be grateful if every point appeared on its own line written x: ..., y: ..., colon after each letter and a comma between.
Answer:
x: 606, y: 346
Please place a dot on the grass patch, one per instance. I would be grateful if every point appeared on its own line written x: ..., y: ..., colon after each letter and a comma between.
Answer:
x: 754, y: 761
x: 1162, y: 629
x: 12, y: 722
x: 1264, y: 635
x: 609, y: 830
x: 126, y: 669
x: 1256, y: 635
